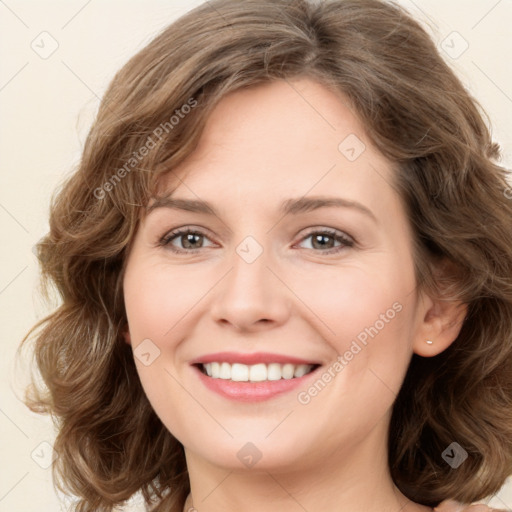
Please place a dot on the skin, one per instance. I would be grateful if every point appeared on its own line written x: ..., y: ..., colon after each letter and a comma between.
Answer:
x: 452, y: 506
x: 263, y: 145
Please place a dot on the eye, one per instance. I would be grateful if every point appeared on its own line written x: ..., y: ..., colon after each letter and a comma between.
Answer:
x: 324, y: 241
x: 189, y: 239
x: 192, y: 240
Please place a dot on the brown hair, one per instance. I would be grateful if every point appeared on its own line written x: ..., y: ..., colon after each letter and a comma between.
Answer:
x: 417, y: 113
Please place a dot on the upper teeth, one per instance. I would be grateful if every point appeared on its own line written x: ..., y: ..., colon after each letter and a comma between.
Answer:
x: 257, y: 372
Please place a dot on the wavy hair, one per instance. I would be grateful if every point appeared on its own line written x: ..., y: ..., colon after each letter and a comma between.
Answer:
x: 110, y: 442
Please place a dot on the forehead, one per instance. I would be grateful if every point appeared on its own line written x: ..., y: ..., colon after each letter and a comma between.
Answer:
x: 283, y: 137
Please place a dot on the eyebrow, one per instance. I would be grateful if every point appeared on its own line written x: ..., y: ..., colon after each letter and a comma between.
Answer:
x: 290, y: 206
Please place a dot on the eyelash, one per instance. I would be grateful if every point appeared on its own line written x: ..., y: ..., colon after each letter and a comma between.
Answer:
x: 347, y: 241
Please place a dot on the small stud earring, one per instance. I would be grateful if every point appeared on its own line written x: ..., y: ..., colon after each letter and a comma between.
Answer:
x: 429, y: 342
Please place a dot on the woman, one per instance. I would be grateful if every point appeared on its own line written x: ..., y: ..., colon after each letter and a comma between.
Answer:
x: 286, y: 273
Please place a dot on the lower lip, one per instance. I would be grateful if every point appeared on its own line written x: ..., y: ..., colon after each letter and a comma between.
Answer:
x: 252, y: 391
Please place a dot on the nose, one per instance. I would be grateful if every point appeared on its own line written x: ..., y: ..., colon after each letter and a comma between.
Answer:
x: 252, y: 296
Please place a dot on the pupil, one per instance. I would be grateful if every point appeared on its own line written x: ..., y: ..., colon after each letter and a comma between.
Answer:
x: 319, y: 239
x: 190, y: 240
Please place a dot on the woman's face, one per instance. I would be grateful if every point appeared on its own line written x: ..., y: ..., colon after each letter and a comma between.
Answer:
x: 306, y: 264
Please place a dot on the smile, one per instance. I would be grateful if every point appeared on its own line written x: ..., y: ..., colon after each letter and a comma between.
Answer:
x: 261, y: 372
x: 253, y: 377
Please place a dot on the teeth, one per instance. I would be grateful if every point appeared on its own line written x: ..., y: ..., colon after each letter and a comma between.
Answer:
x: 288, y: 371
x: 300, y: 370
x: 274, y: 371
x: 257, y: 372
x: 225, y: 371
x: 239, y: 372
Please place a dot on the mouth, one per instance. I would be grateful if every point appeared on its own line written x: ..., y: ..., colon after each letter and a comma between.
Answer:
x: 261, y: 372
x: 253, y: 377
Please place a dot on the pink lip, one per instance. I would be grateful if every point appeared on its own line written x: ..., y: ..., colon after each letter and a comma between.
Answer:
x: 249, y: 359
x: 251, y: 391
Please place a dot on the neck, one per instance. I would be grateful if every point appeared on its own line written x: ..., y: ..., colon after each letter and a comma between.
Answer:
x: 356, y: 479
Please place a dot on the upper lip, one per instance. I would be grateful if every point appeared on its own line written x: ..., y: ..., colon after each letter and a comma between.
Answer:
x: 250, y: 359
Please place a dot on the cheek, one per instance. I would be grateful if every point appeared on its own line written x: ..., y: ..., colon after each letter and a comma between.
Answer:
x: 365, y: 314
x: 157, y: 301
x: 158, y: 304
x: 366, y: 317
x: 356, y: 302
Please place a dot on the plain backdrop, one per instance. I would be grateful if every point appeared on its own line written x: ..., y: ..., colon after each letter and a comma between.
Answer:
x: 57, y: 58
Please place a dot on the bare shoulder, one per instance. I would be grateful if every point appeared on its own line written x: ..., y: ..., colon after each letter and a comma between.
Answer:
x: 453, y: 506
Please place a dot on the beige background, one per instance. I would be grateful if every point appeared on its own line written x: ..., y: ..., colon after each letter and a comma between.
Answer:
x: 47, y: 103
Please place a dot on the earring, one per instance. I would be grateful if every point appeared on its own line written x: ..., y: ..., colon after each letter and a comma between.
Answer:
x: 429, y: 342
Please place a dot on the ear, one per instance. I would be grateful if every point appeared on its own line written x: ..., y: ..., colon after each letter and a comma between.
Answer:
x: 439, y: 322
x: 126, y: 335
